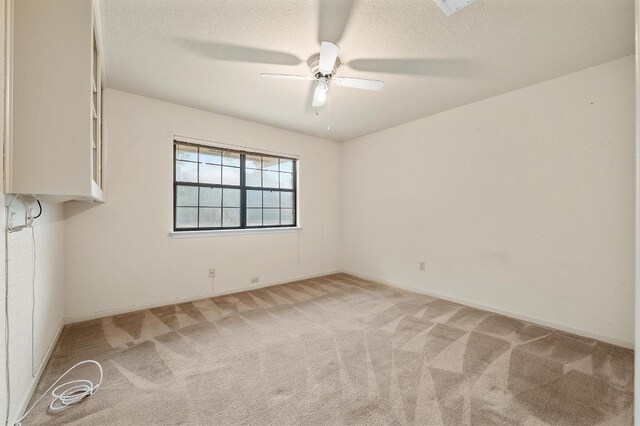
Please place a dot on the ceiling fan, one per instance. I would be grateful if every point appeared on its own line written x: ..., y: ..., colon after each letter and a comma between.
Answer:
x: 323, y: 67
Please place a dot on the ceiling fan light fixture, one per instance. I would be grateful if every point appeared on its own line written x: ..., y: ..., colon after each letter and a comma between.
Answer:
x: 320, y: 95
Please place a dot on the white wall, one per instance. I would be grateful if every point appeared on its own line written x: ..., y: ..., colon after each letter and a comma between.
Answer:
x: 523, y: 203
x: 48, y: 313
x: 49, y: 298
x: 119, y: 255
x: 3, y: 286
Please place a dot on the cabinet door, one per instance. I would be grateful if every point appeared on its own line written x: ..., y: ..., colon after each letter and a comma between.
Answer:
x: 96, y: 111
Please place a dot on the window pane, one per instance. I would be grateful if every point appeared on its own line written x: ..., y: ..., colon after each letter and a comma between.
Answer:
x: 286, y: 180
x: 210, y: 174
x: 254, y: 198
x: 286, y: 200
x: 286, y: 165
x: 230, y: 176
x: 187, y: 196
x: 186, y: 217
x: 254, y: 217
x: 270, y: 163
x: 186, y: 172
x: 271, y: 198
x: 270, y: 179
x: 207, y: 205
x: 230, y: 217
x: 211, y: 197
x: 253, y: 177
x: 286, y: 217
x: 271, y: 217
x: 231, y: 159
x: 231, y: 197
x: 210, y: 218
x: 211, y: 156
x: 253, y: 161
x: 187, y: 152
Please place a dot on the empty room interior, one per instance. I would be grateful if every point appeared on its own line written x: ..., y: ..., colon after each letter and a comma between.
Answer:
x: 318, y: 212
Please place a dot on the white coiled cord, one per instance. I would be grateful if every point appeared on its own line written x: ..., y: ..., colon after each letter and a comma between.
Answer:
x: 68, y: 393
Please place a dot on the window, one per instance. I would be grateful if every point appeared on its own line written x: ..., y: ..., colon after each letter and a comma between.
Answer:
x: 217, y: 188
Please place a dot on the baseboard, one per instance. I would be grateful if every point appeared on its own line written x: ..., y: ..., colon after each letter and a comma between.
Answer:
x: 550, y: 324
x: 471, y: 303
x: 36, y: 379
x: 191, y: 298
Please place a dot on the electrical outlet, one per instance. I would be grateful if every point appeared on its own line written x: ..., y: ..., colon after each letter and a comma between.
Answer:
x: 212, y: 272
x: 423, y: 266
x: 255, y: 280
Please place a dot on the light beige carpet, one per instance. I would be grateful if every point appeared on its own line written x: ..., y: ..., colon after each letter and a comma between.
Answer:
x: 338, y: 350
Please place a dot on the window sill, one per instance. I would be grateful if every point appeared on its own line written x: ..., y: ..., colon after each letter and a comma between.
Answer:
x: 225, y: 232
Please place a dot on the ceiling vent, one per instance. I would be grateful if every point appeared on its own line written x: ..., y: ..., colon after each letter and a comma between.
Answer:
x: 449, y: 7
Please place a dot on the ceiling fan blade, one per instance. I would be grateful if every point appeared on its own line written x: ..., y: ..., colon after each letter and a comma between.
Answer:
x: 431, y: 67
x: 286, y: 76
x: 328, y: 55
x: 333, y: 19
x: 320, y: 95
x: 360, y: 83
x: 235, y: 53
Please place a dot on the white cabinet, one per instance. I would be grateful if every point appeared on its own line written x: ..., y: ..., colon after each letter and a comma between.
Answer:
x: 55, y: 144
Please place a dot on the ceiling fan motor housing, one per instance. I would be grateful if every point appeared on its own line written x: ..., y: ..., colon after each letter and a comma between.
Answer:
x: 314, y: 66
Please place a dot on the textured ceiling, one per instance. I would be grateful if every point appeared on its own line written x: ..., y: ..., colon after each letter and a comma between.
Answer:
x: 208, y: 54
